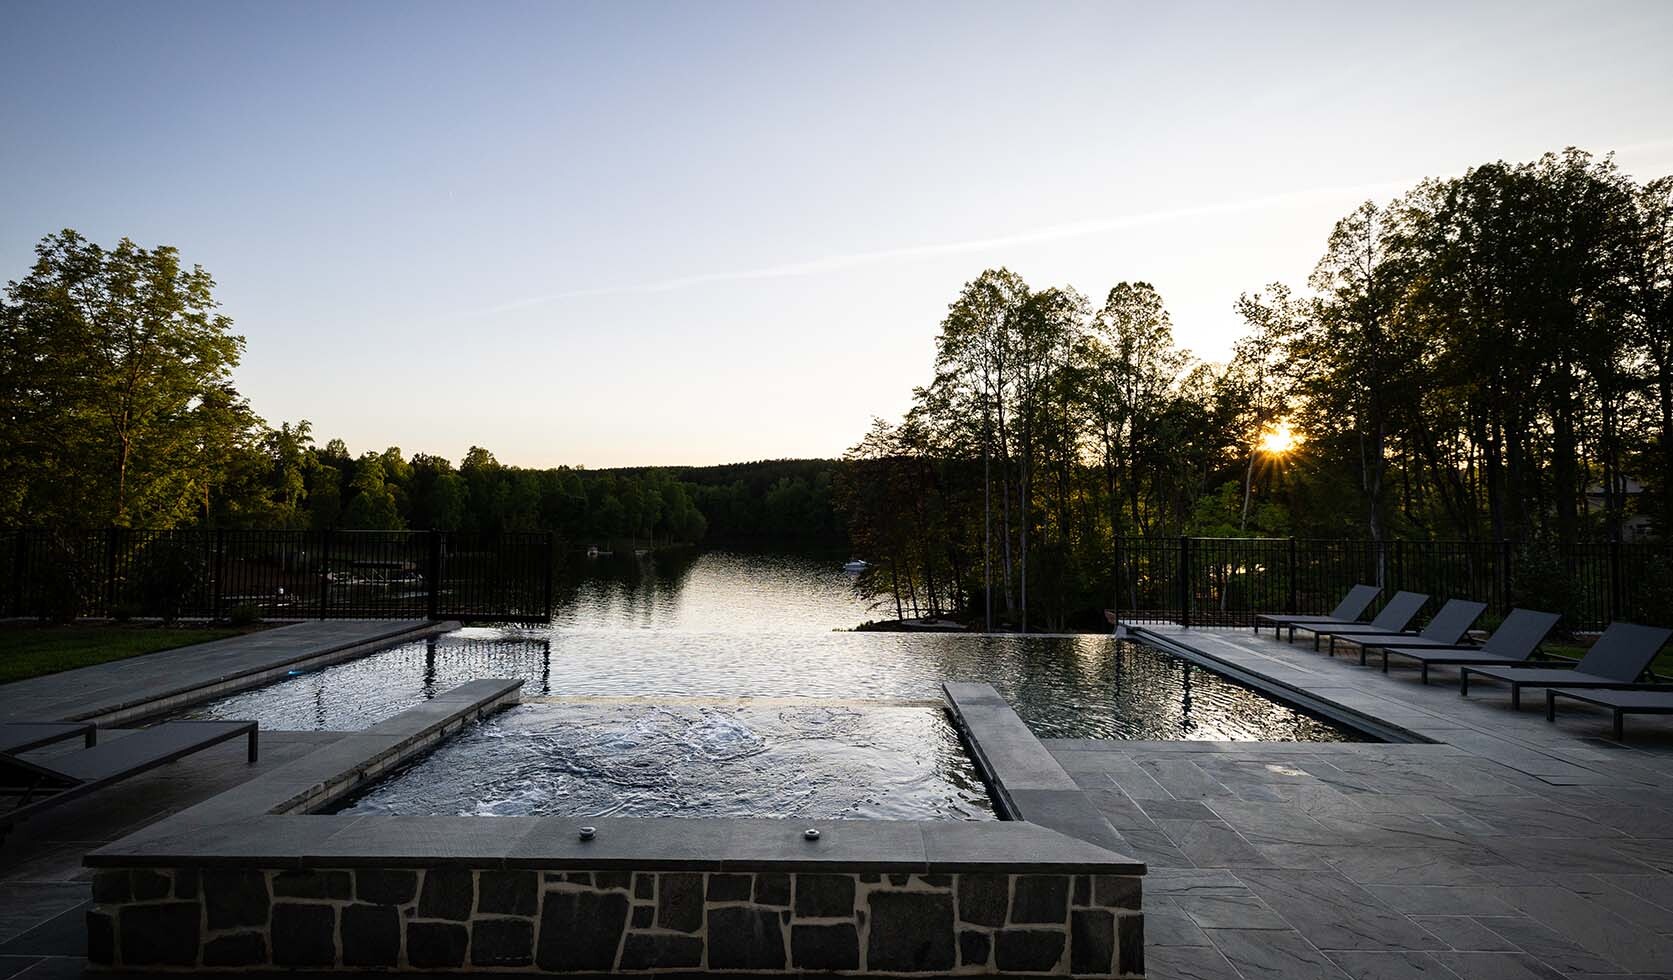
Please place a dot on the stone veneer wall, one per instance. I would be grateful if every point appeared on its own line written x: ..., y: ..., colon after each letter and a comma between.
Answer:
x: 455, y: 918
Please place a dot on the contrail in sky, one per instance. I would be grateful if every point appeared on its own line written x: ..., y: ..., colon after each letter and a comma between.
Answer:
x: 1050, y: 233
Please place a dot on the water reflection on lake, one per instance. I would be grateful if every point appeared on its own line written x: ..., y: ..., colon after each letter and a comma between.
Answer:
x: 686, y: 590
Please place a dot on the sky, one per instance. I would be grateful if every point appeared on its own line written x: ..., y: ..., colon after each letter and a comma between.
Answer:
x: 688, y: 233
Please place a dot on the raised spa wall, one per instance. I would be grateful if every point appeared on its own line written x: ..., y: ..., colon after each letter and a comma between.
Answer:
x: 251, y: 880
x: 617, y: 921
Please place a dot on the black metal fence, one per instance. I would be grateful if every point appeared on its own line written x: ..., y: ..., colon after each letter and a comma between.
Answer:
x: 1226, y: 581
x: 215, y: 575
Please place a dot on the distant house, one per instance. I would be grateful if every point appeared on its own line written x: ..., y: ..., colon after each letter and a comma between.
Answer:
x: 1635, y: 524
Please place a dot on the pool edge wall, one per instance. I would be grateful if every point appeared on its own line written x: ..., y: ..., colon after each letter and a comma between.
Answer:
x: 250, y: 881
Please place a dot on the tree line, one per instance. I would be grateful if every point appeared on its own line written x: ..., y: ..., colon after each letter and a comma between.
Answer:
x: 118, y: 409
x: 1485, y: 357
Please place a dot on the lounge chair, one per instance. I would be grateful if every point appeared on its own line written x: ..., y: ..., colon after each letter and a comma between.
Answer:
x: 1512, y: 643
x: 1352, y: 606
x: 1644, y: 699
x: 21, y: 736
x: 1446, y: 629
x: 1394, y: 618
x: 39, y: 783
x: 1615, y: 660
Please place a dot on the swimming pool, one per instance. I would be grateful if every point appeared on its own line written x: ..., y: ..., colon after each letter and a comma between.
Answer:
x: 628, y: 758
x: 1062, y: 686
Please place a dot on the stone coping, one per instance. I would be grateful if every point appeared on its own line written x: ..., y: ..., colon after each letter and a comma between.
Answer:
x: 266, y: 822
x: 639, y: 843
x: 1175, y: 641
x: 1024, y: 779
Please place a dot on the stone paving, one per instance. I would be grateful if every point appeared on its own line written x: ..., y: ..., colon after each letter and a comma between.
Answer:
x: 1510, y: 848
x: 44, y: 890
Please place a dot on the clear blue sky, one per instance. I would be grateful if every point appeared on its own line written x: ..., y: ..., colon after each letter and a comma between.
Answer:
x: 632, y: 233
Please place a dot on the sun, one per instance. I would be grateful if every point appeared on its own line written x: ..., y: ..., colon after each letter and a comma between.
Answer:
x: 1276, y: 440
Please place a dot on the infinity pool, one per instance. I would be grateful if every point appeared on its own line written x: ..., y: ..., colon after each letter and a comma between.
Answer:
x: 1062, y: 686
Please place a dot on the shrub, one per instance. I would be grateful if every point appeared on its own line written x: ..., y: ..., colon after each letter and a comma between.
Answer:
x: 167, y: 575
x: 63, y: 577
x: 1541, y: 579
x: 244, y: 615
x: 124, y: 611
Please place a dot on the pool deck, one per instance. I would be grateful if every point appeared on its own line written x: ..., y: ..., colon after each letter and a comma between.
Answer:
x: 1506, y: 847
x: 123, y: 690
x: 44, y: 890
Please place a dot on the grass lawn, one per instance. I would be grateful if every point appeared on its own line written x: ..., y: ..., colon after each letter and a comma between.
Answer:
x: 30, y: 651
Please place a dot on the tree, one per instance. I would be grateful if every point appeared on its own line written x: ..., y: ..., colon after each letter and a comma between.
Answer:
x: 371, y: 505
x: 1650, y: 302
x: 110, y: 358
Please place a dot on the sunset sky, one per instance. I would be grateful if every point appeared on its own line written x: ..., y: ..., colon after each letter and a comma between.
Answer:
x: 635, y: 233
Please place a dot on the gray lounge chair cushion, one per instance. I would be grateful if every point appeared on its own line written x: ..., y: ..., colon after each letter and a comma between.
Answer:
x: 143, y: 749
x: 1543, y: 676
x: 1628, y: 699
x: 1446, y: 629
x: 1456, y: 655
x: 1394, y: 617
x: 1623, y: 651
x: 1516, y: 639
x: 1352, y: 606
x: 1521, y: 633
x: 21, y: 736
x: 1618, y: 657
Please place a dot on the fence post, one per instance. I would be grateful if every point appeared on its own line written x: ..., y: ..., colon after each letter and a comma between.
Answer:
x: 1504, y: 577
x: 1115, y: 580
x: 1614, y: 580
x: 551, y: 557
x: 1184, y: 582
x: 218, y: 576
x: 1295, y: 592
x: 20, y: 562
x: 324, y: 569
x: 111, y: 546
x: 432, y: 576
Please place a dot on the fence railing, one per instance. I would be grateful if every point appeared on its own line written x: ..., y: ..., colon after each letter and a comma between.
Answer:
x: 1226, y: 581
x: 210, y: 574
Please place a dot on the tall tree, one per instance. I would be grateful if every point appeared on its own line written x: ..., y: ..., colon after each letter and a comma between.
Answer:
x: 110, y: 359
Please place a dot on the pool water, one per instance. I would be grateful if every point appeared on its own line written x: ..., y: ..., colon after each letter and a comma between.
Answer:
x: 716, y: 759
x: 728, y: 684
x: 1062, y: 686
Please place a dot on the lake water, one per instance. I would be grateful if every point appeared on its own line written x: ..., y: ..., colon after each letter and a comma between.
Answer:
x: 685, y: 590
